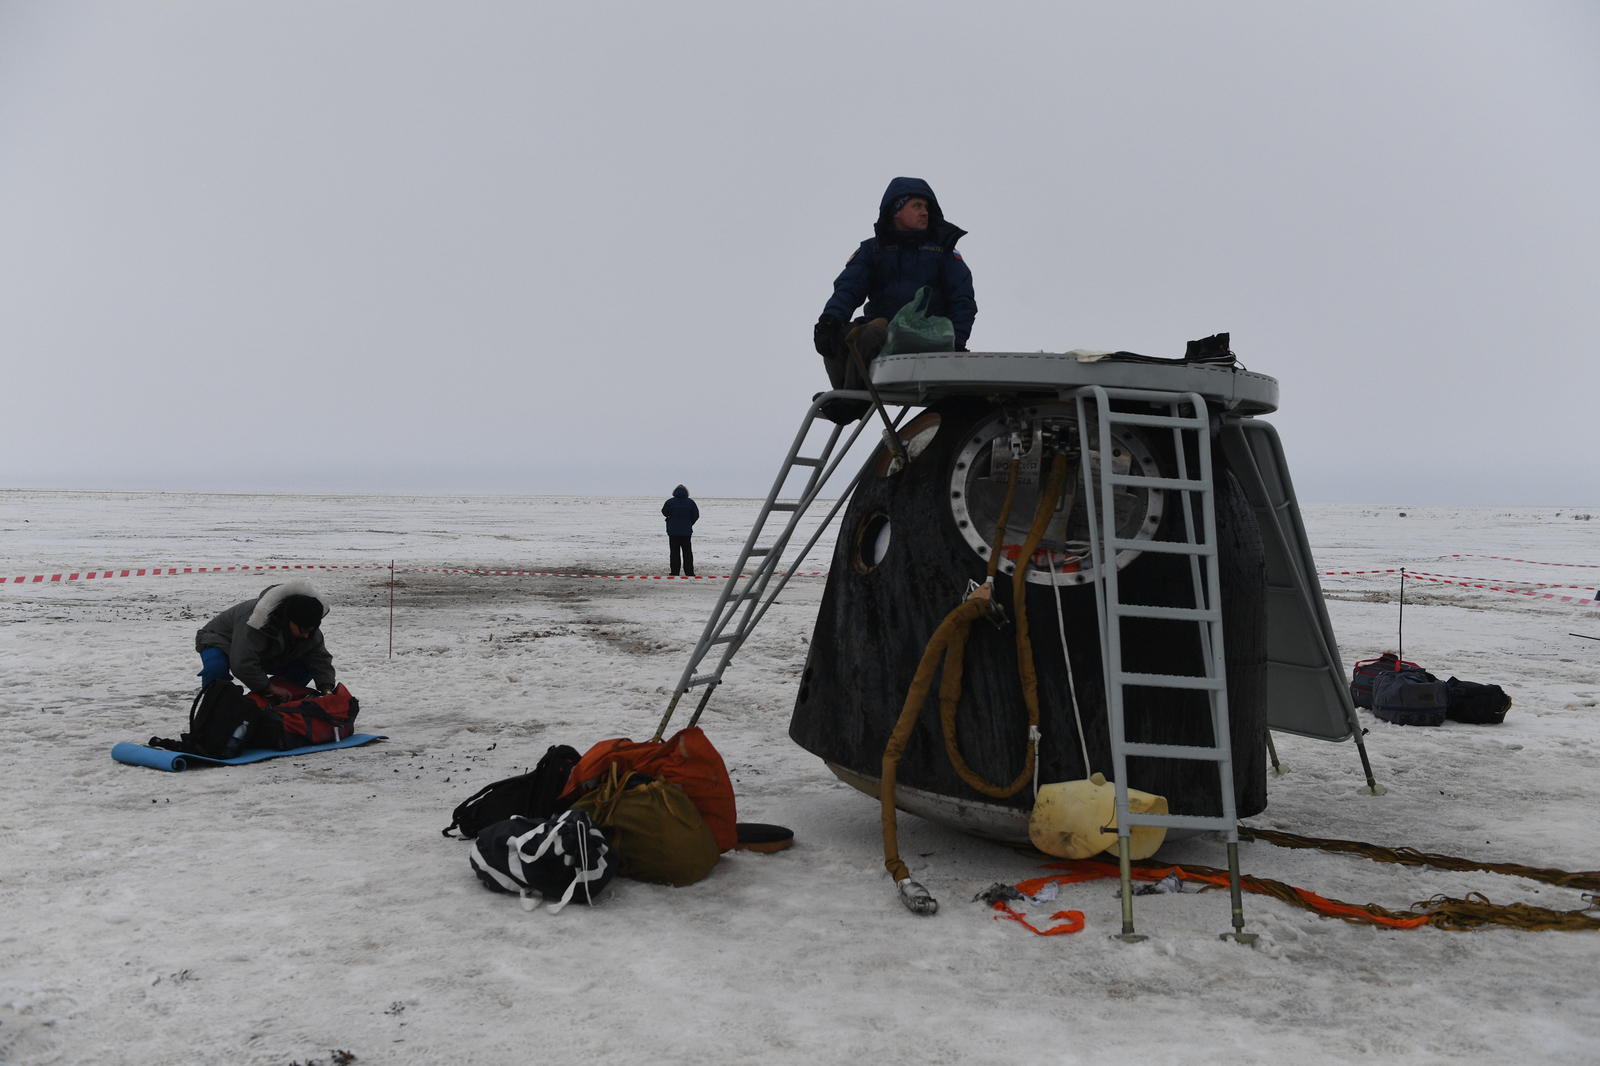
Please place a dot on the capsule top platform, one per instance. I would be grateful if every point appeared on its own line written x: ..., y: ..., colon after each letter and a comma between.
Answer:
x: 930, y: 375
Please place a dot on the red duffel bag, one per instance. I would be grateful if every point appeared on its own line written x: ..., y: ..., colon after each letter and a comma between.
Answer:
x: 302, y: 720
x: 685, y: 759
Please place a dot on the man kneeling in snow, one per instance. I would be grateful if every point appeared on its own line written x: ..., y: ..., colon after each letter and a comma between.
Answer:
x: 272, y: 639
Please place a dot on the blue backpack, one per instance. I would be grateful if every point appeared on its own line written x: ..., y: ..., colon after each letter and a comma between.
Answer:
x: 1410, y: 697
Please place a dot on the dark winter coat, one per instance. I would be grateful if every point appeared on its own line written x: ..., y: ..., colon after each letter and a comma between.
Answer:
x: 255, y: 637
x: 681, y: 513
x: 888, y: 269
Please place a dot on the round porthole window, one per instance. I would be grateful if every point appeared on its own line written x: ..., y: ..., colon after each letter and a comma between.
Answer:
x: 981, y: 472
x: 872, y: 540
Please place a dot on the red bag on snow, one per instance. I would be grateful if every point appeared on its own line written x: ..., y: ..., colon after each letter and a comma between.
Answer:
x: 686, y: 759
x: 1362, y: 675
x: 304, y: 719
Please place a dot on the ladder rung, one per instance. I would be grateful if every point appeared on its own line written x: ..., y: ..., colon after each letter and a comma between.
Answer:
x: 1185, y: 614
x: 760, y: 551
x: 799, y: 461
x: 1179, y: 421
x: 1177, y: 751
x: 1173, y: 681
x: 726, y: 638
x: 1170, y: 547
x: 701, y: 680
x: 1182, y: 821
x: 1176, y: 483
x: 786, y: 507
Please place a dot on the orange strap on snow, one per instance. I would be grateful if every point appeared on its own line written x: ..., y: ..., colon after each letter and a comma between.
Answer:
x: 1077, y: 870
x: 1441, y: 912
x: 1073, y: 920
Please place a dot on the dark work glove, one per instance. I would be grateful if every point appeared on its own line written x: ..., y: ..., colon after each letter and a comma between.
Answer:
x: 828, y: 336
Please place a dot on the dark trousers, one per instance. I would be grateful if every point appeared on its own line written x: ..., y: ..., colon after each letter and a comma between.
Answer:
x: 868, y: 339
x: 682, y: 549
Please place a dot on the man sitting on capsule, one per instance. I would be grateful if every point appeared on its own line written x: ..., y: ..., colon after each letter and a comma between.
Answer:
x: 912, y: 247
x: 271, y: 640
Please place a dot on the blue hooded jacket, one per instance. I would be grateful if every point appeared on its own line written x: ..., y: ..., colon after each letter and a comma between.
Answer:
x: 681, y: 513
x: 889, y: 268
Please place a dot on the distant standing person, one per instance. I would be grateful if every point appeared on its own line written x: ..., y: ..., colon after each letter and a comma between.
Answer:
x: 681, y: 515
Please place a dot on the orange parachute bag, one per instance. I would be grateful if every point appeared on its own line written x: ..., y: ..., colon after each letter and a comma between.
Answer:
x: 686, y: 759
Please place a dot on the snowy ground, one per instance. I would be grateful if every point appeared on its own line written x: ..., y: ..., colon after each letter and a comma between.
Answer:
x: 269, y: 914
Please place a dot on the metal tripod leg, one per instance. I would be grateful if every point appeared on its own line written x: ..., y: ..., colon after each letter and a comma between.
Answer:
x: 1278, y: 769
x: 1238, y: 936
x: 1127, y: 935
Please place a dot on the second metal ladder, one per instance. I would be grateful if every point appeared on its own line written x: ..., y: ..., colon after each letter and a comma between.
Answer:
x: 1200, y: 546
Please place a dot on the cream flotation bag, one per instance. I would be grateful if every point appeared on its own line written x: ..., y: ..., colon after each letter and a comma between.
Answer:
x: 1070, y: 819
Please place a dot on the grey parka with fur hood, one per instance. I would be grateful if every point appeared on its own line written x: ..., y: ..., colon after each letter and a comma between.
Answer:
x: 255, y: 637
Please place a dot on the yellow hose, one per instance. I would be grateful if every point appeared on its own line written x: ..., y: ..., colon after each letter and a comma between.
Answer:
x: 949, y: 641
x: 952, y: 634
x: 1005, y: 519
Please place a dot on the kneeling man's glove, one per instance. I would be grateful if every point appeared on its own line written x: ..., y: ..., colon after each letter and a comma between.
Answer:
x: 828, y: 336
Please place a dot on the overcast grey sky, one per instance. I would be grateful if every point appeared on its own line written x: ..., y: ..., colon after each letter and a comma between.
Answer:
x: 580, y: 248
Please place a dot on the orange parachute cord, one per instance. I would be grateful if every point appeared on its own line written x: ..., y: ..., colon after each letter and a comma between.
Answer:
x: 1589, y: 879
x: 1441, y: 912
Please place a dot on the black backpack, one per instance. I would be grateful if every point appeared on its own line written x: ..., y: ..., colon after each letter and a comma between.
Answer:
x: 536, y: 794
x: 219, y: 717
x: 1477, y: 704
x: 561, y: 859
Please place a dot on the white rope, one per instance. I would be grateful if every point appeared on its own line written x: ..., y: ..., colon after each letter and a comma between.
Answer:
x: 579, y: 873
x: 1072, y: 689
x: 1034, y: 737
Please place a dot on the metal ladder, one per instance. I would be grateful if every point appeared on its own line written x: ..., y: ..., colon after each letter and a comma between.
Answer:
x: 745, y: 598
x: 1200, y: 545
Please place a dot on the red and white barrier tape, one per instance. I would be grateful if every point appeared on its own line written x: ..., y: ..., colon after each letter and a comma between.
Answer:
x: 615, y: 577
x: 1347, y: 573
x: 90, y: 575
x: 1485, y: 583
x: 1578, y: 601
x: 1535, y: 562
x: 1495, y: 580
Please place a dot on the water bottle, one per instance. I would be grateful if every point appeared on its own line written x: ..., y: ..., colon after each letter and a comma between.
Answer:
x: 236, y: 741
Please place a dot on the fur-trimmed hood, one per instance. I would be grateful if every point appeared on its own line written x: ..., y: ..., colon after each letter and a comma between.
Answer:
x: 272, y: 598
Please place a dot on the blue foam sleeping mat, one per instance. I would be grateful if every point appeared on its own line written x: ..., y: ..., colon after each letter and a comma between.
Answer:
x: 173, y: 761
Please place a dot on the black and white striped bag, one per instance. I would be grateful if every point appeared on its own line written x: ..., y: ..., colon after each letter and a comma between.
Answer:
x: 561, y: 858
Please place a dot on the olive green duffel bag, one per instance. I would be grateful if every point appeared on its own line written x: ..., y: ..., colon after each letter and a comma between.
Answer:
x: 654, y: 828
